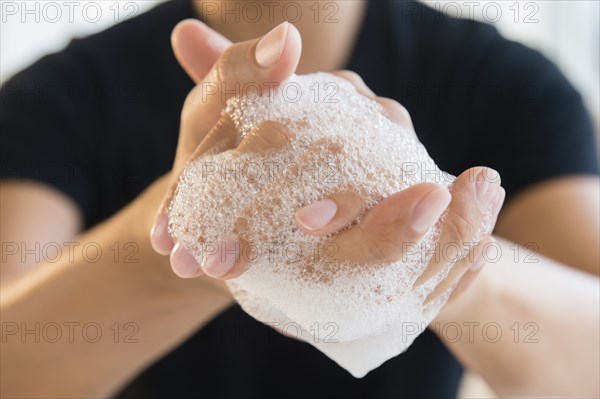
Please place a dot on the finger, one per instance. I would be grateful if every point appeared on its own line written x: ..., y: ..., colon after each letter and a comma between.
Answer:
x: 197, y: 47
x: 222, y: 137
x: 217, y: 260
x: 403, y: 217
x: 472, y: 195
x: 463, y: 272
x: 475, y: 259
x: 160, y: 240
x: 266, y: 136
x: 496, y: 207
x: 229, y: 260
x: 241, y: 64
x: 394, y: 111
x: 399, y: 219
x: 226, y: 261
x: 246, y: 67
x: 183, y: 263
x: 335, y: 211
x: 357, y: 81
x: 330, y: 214
x: 474, y: 267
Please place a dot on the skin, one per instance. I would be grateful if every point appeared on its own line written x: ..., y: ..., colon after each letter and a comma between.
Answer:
x: 150, y: 295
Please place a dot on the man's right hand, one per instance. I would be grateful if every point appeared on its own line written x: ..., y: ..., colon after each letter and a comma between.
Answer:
x: 220, y: 71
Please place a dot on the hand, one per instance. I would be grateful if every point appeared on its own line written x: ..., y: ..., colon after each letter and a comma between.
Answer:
x: 404, y: 217
x: 217, y: 68
x: 399, y: 219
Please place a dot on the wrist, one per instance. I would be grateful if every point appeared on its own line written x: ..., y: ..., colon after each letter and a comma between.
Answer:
x: 133, y: 224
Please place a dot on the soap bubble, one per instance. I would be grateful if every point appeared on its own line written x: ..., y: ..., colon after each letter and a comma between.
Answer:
x: 342, y: 142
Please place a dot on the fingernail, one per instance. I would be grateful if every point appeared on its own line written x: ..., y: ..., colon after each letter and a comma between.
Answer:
x: 219, y: 263
x: 486, y: 185
x: 429, y: 209
x: 159, y: 235
x: 183, y: 263
x: 317, y: 215
x: 478, y: 264
x: 269, y: 48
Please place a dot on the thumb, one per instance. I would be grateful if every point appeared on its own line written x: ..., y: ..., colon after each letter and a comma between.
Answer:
x: 243, y: 68
x: 393, y: 226
x: 197, y: 47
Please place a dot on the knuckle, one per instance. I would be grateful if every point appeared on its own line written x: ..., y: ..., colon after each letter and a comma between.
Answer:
x: 395, y: 111
x: 459, y: 229
x: 221, y: 67
x: 271, y: 135
x: 190, y: 103
x: 349, y: 75
x: 271, y: 126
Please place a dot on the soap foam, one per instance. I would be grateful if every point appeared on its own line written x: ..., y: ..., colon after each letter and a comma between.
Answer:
x: 358, y: 315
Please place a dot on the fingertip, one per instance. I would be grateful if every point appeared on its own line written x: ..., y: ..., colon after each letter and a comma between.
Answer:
x: 430, y: 208
x: 294, y: 44
x: 220, y: 263
x: 194, y: 28
x: 333, y: 214
x: 279, y: 51
x: 292, y: 52
x: 183, y: 263
x: 160, y: 239
x: 357, y: 81
x: 197, y: 47
x: 317, y: 215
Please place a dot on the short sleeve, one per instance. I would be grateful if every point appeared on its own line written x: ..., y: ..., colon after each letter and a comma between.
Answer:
x: 47, y: 132
x: 535, y: 124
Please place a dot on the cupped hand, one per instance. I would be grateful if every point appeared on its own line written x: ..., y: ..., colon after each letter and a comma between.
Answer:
x: 403, y: 218
x: 220, y: 70
x: 383, y: 234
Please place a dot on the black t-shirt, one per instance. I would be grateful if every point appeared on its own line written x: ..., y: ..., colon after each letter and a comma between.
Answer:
x: 99, y: 121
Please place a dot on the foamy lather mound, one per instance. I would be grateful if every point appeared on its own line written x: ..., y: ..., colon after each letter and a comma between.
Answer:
x: 358, y: 315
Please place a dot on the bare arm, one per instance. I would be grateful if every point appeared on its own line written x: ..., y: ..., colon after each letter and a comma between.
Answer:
x: 81, y: 296
x: 561, y: 217
x: 34, y: 217
x: 143, y: 297
x: 546, y: 312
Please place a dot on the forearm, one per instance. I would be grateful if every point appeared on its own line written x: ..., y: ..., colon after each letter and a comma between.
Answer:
x: 141, y: 310
x: 548, y: 318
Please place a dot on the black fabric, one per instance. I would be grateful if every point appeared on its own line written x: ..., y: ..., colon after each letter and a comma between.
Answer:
x: 99, y: 121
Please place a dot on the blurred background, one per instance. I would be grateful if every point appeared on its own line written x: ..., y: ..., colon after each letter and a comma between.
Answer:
x: 566, y: 31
